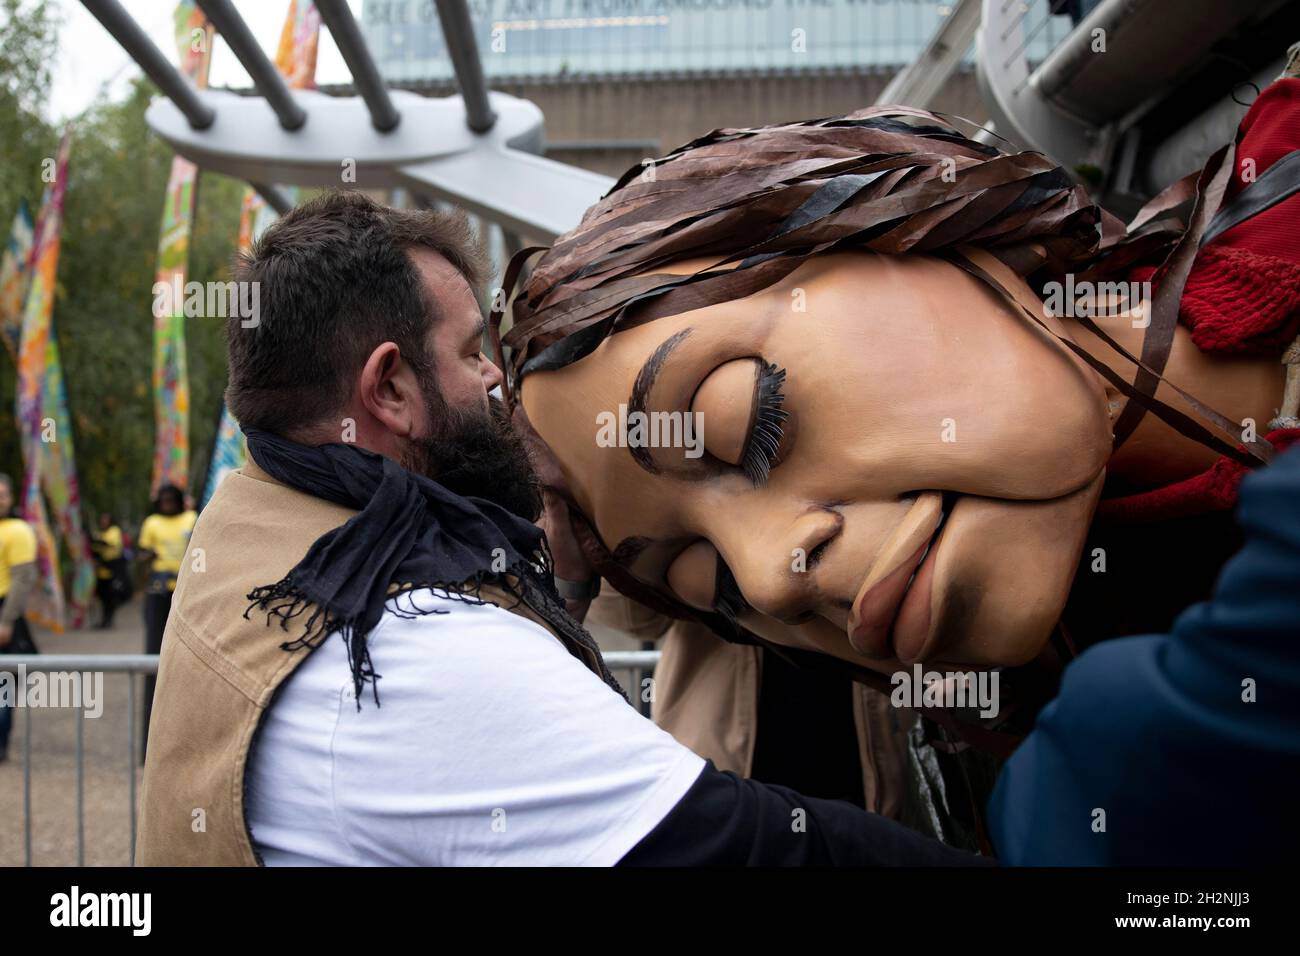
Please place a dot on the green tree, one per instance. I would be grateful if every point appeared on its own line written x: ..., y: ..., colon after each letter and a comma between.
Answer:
x: 117, y: 180
x: 28, y: 41
x: 117, y: 177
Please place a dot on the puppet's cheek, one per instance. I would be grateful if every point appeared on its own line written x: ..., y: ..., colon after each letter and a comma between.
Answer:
x: 1001, y: 577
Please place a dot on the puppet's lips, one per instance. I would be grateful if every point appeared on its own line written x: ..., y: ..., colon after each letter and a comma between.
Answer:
x: 890, y: 580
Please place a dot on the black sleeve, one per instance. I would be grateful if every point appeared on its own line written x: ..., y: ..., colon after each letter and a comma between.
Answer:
x: 727, y: 820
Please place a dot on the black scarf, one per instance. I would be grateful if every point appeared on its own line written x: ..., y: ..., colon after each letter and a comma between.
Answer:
x: 410, y: 533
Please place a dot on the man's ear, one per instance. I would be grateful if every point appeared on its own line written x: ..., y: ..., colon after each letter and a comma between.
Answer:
x: 389, y: 392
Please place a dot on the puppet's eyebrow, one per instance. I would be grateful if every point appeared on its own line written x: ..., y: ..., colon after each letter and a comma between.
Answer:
x: 645, y: 380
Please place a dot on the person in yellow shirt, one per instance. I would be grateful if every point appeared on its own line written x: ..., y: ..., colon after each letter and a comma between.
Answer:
x: 110, y: 573
x: 17, y: 579
x: 164, y: 540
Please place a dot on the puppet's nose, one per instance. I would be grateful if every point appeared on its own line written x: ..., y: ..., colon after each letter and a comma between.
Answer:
x: 776, y: 568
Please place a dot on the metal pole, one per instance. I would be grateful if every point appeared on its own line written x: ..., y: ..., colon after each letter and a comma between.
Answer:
x: 265, y: 76
x: 27, y: 785
x: 365, y: 75
x: 81, y: 786
x: 458, y: 32
x: 274, y: 198
x: 150, y: 59
x: 918, y: 83
x: 130, y: 752
x: 512, y: 241
x: 58, y: 663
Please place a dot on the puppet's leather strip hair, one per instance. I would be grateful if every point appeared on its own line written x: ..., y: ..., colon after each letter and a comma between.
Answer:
x: 734, y: 193
x: 1277, y: 183
x: 1159, y: 339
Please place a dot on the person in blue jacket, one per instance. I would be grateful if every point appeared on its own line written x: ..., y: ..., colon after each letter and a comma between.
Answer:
x: 1179, y: 748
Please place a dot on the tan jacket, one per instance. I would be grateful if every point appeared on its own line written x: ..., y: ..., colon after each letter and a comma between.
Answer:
x: 219, y: 671
x: 706, y: 695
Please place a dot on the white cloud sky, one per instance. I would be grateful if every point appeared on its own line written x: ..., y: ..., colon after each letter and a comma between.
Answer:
x: 90, y: 60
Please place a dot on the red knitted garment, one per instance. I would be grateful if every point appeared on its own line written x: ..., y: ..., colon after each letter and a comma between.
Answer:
x: 1242, y: 298
x: 1212, y: 490
x: 1239, y: 302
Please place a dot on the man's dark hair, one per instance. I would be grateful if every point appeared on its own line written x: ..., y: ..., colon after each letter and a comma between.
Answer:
x: 334, y: 281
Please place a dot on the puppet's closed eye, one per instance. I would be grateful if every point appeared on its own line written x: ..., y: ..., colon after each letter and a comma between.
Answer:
x: 740, y: 404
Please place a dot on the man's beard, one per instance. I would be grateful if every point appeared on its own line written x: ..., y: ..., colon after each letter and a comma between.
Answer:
x: 477, y: 455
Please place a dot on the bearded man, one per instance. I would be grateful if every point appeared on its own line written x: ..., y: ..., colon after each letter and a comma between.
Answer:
x: 368, y: 660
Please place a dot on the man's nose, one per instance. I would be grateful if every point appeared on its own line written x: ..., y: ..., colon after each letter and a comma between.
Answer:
x: 775, y: 569
x: 492, y: 376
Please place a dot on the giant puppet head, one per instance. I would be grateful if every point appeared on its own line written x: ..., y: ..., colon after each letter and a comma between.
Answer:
x: 793, y: 383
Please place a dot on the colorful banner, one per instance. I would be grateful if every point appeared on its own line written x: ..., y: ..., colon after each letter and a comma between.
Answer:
x: 295, y: 57
x: 62, y: 489
x: 296, y: 60
x: 46, y: 427
x: 228, y: 449
x: 171, y: 387
x: 228, y: 454
x: 15, y: 274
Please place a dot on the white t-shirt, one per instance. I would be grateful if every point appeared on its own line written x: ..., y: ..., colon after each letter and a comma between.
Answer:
x: 492, y: 745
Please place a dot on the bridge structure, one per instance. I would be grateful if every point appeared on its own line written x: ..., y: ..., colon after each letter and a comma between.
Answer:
x: 1139, y: 90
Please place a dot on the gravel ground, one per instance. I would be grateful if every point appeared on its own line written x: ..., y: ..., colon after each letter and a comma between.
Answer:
x: 107, y: 784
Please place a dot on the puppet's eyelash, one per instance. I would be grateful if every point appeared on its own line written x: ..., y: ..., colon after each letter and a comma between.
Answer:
x: 769, y: 419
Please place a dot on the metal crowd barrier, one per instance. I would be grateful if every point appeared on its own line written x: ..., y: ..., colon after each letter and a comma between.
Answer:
x: 130, y: 664
x: 637, y: 663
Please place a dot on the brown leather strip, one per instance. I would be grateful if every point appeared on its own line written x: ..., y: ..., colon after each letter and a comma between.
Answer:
x: 976, y: 213
x: 1154, y: 240
x: 722, y: 287
x: 1168, y: 198
x: 508, y: 282
x: 774, y: 207
x: 1159, y: 339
